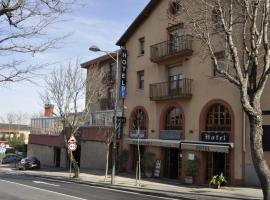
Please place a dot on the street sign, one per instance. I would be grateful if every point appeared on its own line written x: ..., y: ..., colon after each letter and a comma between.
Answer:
x: 72, y: 139
x: 72, y: 146
x: 2, y: 150
x: 120, y: 120
x: 2, y: 145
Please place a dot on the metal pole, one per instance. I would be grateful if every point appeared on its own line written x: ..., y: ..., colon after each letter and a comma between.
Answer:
x: 115, y: 120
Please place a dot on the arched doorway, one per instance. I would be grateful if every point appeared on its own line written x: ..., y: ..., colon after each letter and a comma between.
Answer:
x: 218, y: 129
x: 138, y: 122
x: 172, y: 128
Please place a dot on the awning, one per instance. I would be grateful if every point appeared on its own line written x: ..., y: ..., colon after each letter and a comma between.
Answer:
x: 155, y: 142
x: 209, y: 147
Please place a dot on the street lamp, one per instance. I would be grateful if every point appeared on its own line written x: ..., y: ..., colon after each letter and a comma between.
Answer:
x: 97, y: 49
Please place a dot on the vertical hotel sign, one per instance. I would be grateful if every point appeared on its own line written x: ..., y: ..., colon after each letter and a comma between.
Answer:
x: 123, y: 77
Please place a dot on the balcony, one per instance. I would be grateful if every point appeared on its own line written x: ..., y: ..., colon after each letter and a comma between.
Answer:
x: 109, y: 78
x: 170, y: 134
x: 102, y: 118
x: 46, y: 126
x: 171, y: 90
x: 106, y: 104
x: 133, y: 134
x: 180, y: 46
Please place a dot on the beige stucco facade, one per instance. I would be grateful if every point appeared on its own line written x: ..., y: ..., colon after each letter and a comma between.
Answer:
x: 206, y: 91
x: 47, y: 155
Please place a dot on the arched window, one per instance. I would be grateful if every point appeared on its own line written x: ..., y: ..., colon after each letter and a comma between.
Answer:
x: 174, y: 119
x: 218, y: 118
x: 138, y: 119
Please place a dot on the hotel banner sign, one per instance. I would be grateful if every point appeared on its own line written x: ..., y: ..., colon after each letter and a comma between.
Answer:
x: 215, y: 136
x: 205, y: 147
x: 123, y: 75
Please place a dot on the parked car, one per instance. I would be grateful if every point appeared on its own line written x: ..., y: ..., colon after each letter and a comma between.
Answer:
x: 29, y: 163
x: 11, y: 158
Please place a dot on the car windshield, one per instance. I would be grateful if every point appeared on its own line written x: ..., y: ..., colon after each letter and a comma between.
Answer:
x: 31, y: 158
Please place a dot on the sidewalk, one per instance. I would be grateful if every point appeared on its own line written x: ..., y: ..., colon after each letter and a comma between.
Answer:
x: 156, y: 187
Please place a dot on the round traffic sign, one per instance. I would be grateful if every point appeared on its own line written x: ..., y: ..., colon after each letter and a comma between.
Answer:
x: 72, y: 146
x: 3, y: 145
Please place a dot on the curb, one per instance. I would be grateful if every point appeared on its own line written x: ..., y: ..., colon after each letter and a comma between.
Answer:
x: 184, y: 196
x: 145, y: 191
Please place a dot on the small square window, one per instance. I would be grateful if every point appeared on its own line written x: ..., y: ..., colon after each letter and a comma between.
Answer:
x: 216, y: 19
x: 140, y: 75
x: 223, y: 63
x: 141, y: 47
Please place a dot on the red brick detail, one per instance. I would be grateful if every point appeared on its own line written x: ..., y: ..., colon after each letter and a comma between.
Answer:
x: 164, y: 112
x: 202, y: 121
x: 48, y: 140
x: 95, y: 134
x: 48, y: 110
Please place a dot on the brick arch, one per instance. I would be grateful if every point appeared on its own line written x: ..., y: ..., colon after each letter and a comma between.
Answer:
x: 132, y: 113
x: 205, y: 110
x: 164, y: 112
x: 202, y: 124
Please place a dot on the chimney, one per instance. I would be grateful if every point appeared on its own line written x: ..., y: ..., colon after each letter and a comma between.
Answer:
x: 48, y: 111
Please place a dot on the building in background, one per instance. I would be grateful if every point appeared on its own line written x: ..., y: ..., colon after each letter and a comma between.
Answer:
x: 12, y: 132
x: 47, y: 141
x: 189, y: 113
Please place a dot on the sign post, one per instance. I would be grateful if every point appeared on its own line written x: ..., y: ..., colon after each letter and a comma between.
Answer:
x: 72, y: 146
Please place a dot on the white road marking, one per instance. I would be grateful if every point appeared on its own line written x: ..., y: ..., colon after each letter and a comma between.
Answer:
x: 43, y: 190
x: 45, y: 183
x: 116, y: 190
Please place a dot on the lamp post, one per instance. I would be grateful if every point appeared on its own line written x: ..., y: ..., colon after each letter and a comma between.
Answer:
x: 97, y: 49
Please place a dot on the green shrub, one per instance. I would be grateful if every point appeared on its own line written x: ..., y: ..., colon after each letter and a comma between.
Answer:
x: 217, y: 180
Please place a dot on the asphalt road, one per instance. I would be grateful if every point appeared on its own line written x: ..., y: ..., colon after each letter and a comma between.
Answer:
x: 14, y: 187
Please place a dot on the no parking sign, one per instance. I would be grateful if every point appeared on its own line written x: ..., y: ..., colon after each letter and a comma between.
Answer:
x: 2, y: 150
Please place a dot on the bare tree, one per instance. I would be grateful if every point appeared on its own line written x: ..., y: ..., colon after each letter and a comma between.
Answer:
x: 108, y: 141
x: 241, y: 28
x: 65, y: 88
x: 23, y: 26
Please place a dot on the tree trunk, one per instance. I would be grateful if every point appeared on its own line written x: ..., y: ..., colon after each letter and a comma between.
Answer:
x: 107, y: 161
x: 76, y: 168
x: 259, y: 162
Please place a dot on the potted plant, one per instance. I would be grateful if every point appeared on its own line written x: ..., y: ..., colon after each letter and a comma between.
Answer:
x: 123, y: 159
x: 217, y: 180
x: 191, y: 170
x: 148, y: 164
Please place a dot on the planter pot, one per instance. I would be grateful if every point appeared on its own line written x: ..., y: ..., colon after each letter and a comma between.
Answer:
x: 189, y: 180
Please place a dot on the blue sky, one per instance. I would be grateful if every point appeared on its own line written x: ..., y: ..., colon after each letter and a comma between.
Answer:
x: 97, y: 22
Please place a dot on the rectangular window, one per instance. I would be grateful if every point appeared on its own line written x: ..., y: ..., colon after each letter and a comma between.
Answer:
x: 141, y: 43
x: 222, y: 64
x: 266, y: 138
x: 216, y: 19
x: 140, y: 75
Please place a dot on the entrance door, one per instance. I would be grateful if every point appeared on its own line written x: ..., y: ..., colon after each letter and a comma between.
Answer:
x: 171, y: 163
x: 217, y: 163
x: 57, y: 156
x: 136, y: 158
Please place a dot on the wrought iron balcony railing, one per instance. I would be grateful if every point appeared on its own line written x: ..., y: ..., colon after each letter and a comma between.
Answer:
x: 171, y: 90
x: 178, y: 46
